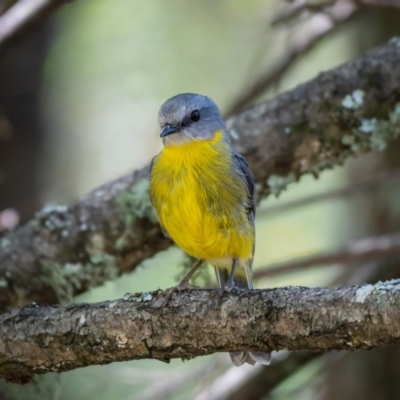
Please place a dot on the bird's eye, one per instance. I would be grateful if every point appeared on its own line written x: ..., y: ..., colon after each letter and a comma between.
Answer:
x: 195, y: 115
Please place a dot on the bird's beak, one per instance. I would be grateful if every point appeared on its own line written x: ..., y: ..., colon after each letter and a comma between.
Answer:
x: 168, y: 129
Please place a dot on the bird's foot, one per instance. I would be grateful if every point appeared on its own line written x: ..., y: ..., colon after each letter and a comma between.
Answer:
x: 219, y: 293
x: 183, y: 285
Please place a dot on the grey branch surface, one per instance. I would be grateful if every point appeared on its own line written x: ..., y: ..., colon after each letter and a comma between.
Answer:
x: 65, y: 250
x: 39, y: 339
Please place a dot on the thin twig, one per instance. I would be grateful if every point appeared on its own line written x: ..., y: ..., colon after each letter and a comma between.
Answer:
x: 170, y: 385
x: 23, y: 14
x: 354, y: 188
x: 324, y: 18
x: 365, y: 249
x: 299, y: 7
x: 318, y: 27
x: 378, y: 3
x: 5, y: 5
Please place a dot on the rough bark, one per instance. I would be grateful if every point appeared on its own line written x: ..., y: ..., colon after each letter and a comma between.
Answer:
x: 65, y: 250
x: 39, y: 339
x: 344, y: 112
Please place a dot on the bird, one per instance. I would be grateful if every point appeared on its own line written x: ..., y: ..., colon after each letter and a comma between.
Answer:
x: 203, y: 194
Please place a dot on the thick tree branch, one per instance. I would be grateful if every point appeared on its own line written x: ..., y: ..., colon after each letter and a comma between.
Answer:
x: 344, y: 112
x: 65, y: 251
x: 40, y: 339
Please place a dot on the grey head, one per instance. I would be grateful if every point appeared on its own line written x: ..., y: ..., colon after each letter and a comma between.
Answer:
x: 189, y: 116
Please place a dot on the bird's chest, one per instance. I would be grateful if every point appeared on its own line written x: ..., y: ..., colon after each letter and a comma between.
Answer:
x: 198, y: 197
x: 189, y: 182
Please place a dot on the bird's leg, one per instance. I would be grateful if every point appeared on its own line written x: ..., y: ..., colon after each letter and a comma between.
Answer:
x: 229, y: 285
x: 183, y: 284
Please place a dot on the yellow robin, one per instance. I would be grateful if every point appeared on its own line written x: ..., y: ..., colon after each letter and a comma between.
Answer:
x: 203, y: 194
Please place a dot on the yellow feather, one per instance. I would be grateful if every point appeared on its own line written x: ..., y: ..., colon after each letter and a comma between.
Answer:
x: 199, y: 200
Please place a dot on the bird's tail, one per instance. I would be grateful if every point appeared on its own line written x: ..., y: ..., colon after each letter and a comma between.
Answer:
x: 240, y: 357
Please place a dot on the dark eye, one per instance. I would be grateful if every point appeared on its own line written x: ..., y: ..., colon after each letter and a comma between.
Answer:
x: 195, y: 115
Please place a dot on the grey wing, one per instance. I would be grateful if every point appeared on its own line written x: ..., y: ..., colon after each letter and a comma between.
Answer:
x: 244, y: 171
x: 165, y: 233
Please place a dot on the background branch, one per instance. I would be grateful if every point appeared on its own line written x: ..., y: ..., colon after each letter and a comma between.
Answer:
x: 319, y: 26
x: 257, y: 382
x: 39, y: 339
x: 362, y: 250
x: 320, y: 20
x: 367, y: 185
x: 299, y: 8
x: 23, y: 14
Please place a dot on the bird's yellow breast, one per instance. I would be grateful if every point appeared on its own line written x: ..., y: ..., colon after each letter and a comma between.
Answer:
x: 199, y: 199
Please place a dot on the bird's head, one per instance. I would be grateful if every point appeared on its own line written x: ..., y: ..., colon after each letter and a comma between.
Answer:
x: 187, y: 117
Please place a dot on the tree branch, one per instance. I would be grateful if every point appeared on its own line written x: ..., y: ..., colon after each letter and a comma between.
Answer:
x: 369, y: 184
x: 297, y: 8
x: 22, y: 14
x: 362, y: 250
x: 256, y: 383
x: 321, y: 20
x: 344, y: 112
x: 40, y: 339
x: 300, y: 7
x: 302, y: 41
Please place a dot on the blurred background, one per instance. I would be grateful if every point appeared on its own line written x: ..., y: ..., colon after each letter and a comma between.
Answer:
x: 79, y: 93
